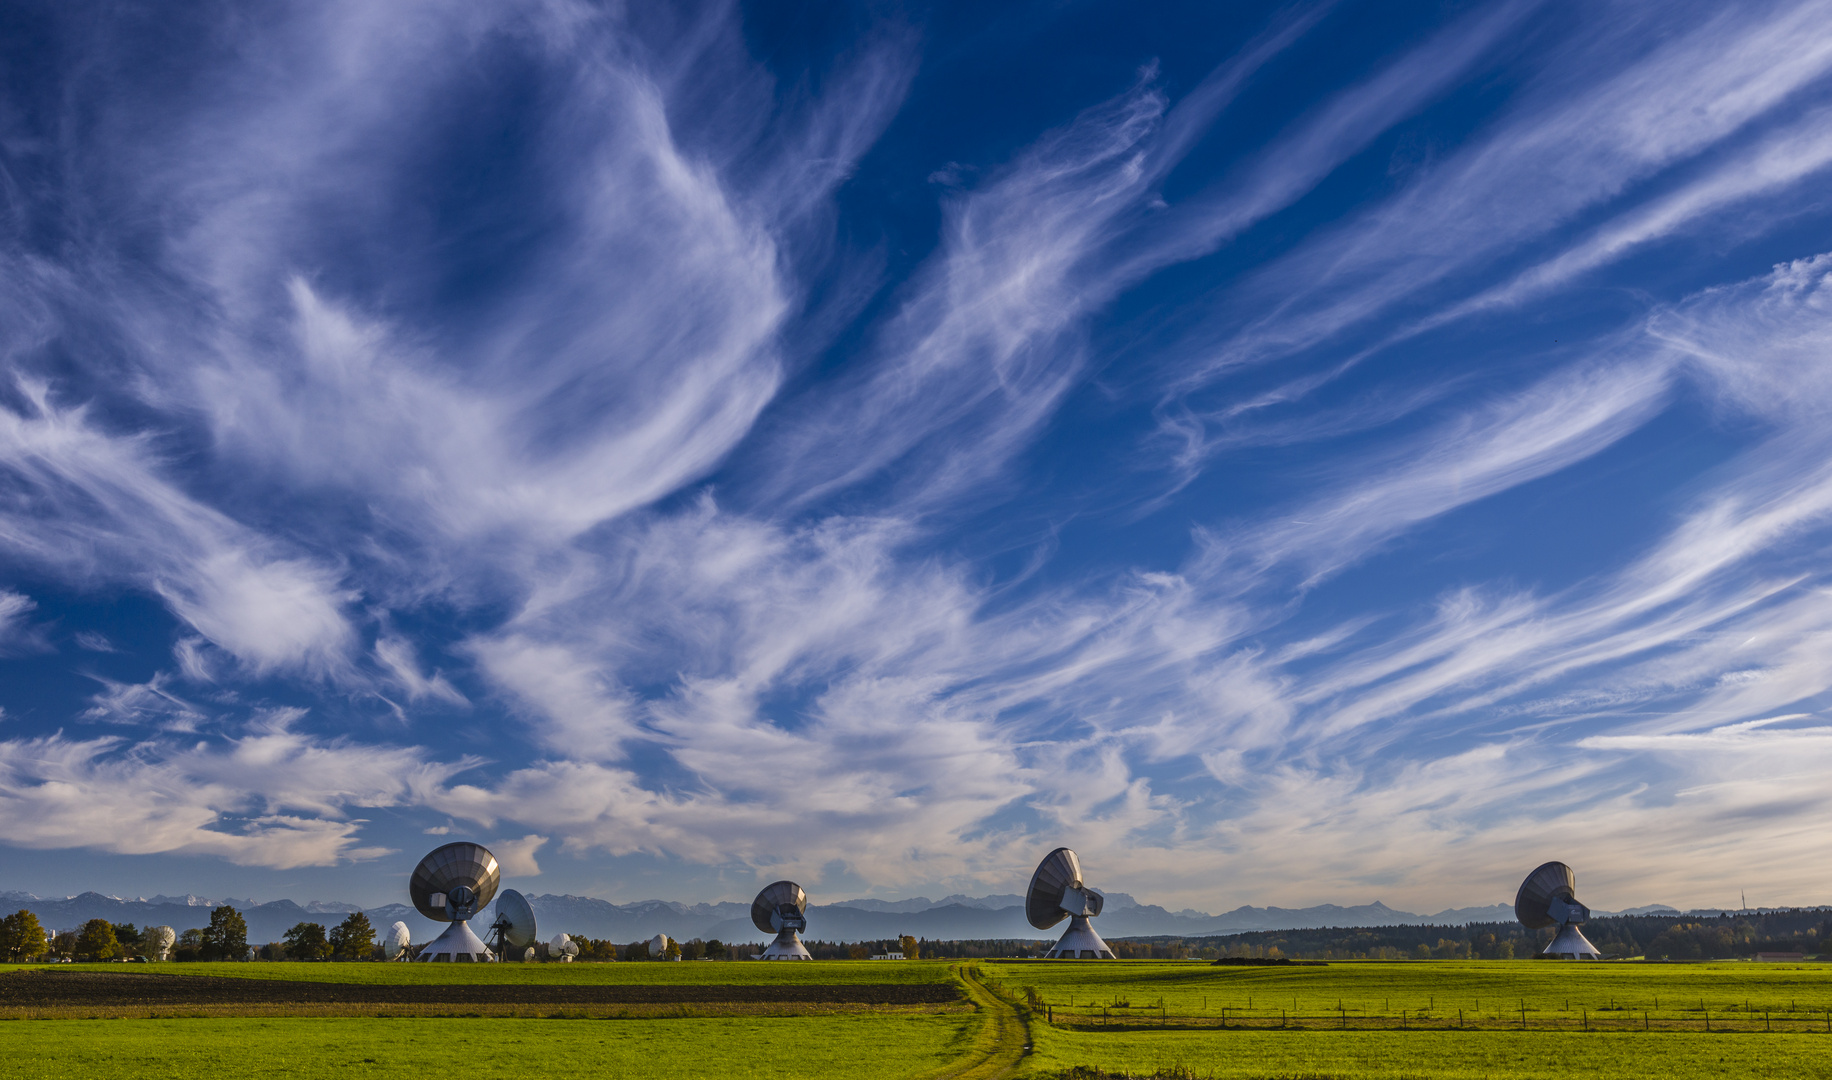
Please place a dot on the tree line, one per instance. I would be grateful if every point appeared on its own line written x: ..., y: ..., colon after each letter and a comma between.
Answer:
x: 23, y: 938
x: 1657, y: 937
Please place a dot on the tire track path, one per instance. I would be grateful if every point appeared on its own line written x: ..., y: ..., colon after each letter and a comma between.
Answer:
x: 1003, y: 1038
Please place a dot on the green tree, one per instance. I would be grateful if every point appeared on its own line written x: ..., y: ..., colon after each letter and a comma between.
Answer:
x: 21, y: 936
x: 306, y: 941
x: 156, y: 942
x: 226, y: 938
x: 910, y: 949
x: 353, y: 939
x: 716, y: 950
x: 190, y: 945
x: 96, y: 941
x: 129, y: 936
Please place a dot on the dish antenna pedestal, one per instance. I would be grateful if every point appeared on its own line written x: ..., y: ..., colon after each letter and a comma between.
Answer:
x: 452, y: 884
x: 1548, y: 898
x: 782, y: 909
x: 1056, y: 893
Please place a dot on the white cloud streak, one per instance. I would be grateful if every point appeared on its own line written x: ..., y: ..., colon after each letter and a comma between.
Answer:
x: 308, y: 447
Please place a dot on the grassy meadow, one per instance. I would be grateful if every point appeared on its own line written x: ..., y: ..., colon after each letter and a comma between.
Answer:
x: 866, y: 1047
x: 728, y: 973
x: 1792, y: 997
x: 1341, y: 1021
x: 1108, y: 1016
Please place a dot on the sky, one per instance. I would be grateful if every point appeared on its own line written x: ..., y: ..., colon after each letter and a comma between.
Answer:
x: 1295, y: 453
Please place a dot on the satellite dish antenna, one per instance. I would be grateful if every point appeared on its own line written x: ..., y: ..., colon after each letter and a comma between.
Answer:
x: 562, y: 948
x: 395, y: 945
x: 1548, y: 898
x: 159, y: 942
x: 782, y: 909
x: 1056, y: 893
x: 452, y: 884
x: 513, y: 931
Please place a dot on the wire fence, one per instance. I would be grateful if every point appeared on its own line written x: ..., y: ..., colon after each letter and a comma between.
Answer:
x: 1121, y: 1016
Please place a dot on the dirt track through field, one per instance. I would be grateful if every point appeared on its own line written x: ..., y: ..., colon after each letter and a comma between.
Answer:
x: 1001, y: 1042
x: 55, y: 989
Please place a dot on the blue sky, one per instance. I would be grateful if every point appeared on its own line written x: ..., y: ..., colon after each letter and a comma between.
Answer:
x: 1290, y: 453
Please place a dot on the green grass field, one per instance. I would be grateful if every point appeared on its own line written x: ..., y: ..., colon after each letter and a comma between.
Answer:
x: 870, y: 1048
x: 1091, y: 1030
x: 1365, y: 995
x: 1439, y: 1055
x: 1432, y: 993
x: 830, y: 972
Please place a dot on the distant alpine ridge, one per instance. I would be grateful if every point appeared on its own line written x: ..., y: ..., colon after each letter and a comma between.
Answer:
x: 951, y: 918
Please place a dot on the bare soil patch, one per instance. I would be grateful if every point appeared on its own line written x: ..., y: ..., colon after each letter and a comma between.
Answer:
x: 60, y: 990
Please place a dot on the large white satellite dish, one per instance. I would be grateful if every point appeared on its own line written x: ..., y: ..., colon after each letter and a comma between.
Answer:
x: 452, y: 884
x: 782, y: 909
x: 512, y: 933
x: 1547, y: 898
x: 1056, y: 893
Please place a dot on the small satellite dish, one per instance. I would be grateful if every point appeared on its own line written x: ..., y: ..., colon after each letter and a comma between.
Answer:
x: 1056, y: 893
x: 159, y: 941
x: 452, y: 884
x: 1548, y: 898
x: 562, y: 948
x: 512, y: 932
x: 396, y: 944
x: 782, y: 909
x: 658, y: 947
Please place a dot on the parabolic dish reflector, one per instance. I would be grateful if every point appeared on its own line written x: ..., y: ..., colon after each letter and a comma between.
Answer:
x: 462, y: 865
x: 771, y: 900
x: 398, y: 941
x: 1059, y: 870
x: 1532, y: 903
x: 513, y: 907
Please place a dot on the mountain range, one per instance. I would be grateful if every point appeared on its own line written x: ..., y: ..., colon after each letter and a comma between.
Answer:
x: 955, y: 917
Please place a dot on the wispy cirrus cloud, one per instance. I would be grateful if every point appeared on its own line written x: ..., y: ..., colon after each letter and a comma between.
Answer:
x: 514, y: 383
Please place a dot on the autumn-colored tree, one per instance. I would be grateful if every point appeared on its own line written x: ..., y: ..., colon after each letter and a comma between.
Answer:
x: 353, y: 939
x: 21, y: 936
x: 911, y: 951
x: 96, y: 941
x: 306, y: 941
